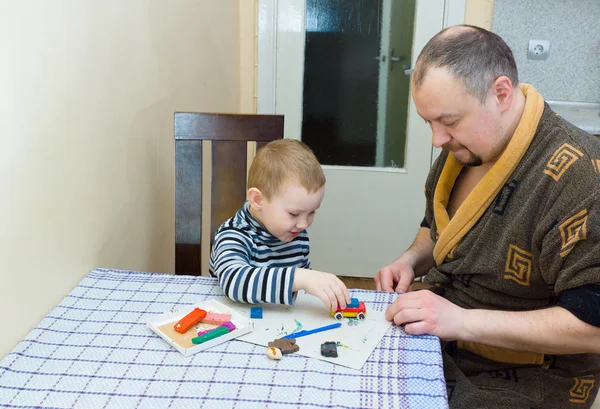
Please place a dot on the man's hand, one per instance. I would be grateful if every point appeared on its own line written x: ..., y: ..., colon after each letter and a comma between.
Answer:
x: 396, y: 277
x: 423, y: 312
x: 327, y: 287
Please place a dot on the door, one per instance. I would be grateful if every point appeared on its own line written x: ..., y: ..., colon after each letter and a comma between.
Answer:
x: 339, y: 72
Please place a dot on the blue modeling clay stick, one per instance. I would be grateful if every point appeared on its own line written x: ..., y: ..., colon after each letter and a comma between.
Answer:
x: 313, y: 331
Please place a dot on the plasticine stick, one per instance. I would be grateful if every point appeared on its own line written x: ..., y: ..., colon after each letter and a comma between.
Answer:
x: 217, y: 332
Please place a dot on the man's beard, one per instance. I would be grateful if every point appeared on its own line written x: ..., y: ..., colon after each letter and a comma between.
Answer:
x: 472, y: 161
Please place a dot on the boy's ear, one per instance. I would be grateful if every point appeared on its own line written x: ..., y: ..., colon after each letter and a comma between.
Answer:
x: 255, y: 197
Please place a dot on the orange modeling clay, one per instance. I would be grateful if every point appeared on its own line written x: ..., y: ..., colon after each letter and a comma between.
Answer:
x: 190, y: 320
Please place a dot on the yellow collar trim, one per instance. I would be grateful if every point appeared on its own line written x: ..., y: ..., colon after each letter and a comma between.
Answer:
x: 452, y: 231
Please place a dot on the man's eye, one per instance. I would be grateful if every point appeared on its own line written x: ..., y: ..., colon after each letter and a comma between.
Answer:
x: 451, y: 124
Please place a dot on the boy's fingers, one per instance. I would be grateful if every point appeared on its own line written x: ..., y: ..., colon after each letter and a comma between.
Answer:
x: 324, y: 298
x: 345, y: 295
x: 332, y: 298
x: 340, y: 295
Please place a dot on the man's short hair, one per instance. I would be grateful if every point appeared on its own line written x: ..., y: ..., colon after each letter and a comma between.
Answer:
x: 473, y: 55
x: 285, y: 161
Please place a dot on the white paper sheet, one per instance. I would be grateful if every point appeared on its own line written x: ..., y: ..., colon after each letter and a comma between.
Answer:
x: 356, y: 339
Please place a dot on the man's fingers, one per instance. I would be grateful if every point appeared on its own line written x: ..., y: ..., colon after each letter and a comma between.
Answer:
x: 392, y: 310
x: 386, y: 280
x: 407, y: 316
x: 377, y: 283
x: 418, y: 328
x: 408, y: 301
x: 404, y: 283
x: 402, y: 286
x: 405, y: 303
x: 406, y: 279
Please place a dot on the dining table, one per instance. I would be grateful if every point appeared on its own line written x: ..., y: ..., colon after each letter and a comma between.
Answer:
x: 94, y: 349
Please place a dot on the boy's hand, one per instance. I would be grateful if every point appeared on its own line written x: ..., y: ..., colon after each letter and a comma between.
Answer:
x: 328, y: 287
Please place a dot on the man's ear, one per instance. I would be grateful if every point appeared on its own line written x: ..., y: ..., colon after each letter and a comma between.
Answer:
x: 255, y: 197
x: 503, y: 91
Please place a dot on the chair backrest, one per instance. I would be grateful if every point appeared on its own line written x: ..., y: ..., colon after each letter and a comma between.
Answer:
x: 213, y: 153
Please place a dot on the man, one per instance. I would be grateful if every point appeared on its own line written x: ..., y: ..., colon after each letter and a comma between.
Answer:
x: 510, y: 237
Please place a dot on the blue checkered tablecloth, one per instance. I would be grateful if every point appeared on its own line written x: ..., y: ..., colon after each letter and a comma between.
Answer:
x: 94, y: 350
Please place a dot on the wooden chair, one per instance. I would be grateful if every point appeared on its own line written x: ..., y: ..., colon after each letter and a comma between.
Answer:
x: 213, y: 153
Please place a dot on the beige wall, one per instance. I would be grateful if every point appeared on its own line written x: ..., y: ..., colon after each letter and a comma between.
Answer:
x: 248, y: 26
x: 479, y: 13
x: 87, y: 95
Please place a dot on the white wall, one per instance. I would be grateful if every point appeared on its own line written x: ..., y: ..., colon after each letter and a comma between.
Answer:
x: 87, y: 95
x: 572, y: 70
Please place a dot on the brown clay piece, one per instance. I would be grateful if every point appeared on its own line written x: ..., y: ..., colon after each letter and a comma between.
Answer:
x: 286, y: 345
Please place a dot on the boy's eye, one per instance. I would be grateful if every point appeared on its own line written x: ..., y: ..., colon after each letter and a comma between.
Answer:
x: 293, y: 214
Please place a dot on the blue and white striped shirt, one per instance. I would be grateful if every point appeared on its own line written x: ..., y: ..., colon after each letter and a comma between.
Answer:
x: 252, y: 265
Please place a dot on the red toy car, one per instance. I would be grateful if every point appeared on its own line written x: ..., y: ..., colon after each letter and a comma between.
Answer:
x: 356, y: 309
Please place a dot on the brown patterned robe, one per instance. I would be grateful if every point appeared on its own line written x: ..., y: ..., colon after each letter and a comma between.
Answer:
x: 529, y: 230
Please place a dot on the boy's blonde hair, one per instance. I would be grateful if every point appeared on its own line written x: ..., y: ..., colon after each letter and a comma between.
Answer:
x: 284, y: 161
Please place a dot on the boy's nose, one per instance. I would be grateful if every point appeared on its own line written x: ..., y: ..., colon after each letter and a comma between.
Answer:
x: 302, y: 224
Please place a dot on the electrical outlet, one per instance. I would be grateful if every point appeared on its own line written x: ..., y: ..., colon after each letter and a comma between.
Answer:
x: 538, y: 49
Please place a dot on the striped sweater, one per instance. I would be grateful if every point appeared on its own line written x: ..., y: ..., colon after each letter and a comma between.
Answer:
x: 254, y: 266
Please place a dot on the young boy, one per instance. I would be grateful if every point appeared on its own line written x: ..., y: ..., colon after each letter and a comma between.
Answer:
x: 260, y: 255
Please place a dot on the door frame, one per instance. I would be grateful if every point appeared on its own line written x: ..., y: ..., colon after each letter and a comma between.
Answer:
x: 266, y: 90
x: 383, y: 66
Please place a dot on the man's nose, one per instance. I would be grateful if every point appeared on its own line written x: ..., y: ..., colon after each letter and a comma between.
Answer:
x: 439, y: 136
